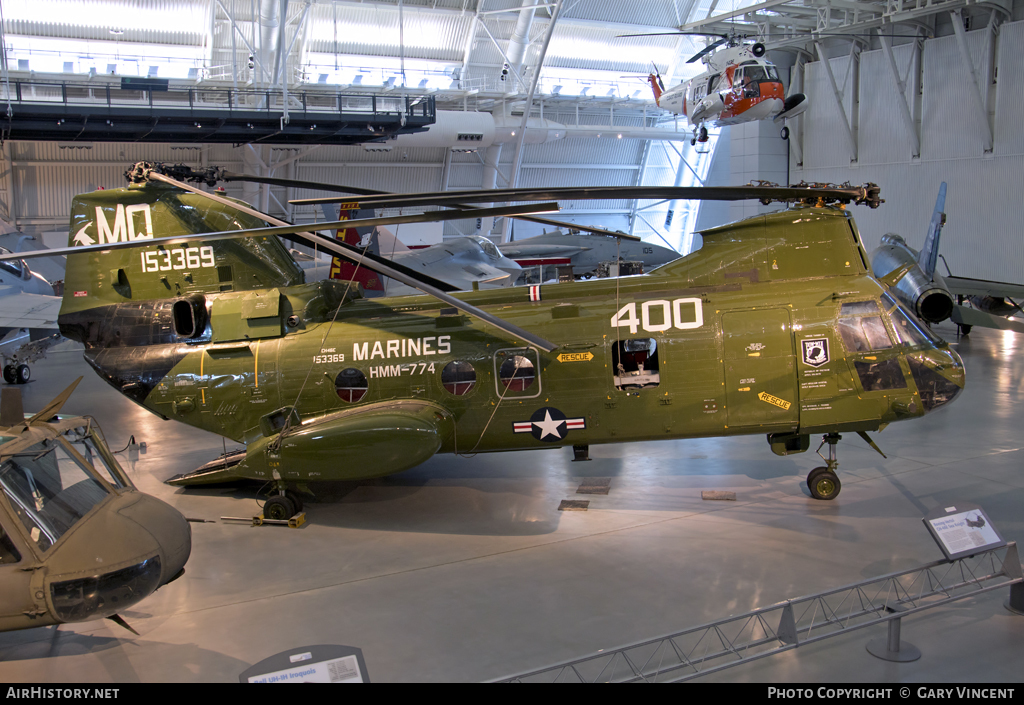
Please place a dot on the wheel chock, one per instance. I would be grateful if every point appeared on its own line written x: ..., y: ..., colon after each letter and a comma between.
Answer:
x: 293, y: 523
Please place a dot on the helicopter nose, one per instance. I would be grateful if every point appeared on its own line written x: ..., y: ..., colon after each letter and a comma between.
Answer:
x: 168, y: 528
x: 116, y: 557
x: 939, y: 375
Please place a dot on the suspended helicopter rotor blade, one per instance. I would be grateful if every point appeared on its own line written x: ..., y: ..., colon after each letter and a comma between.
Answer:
x: 674, y: 34
x: 866, y: 194
x: 407, y: 277
x: 707, y: 50
x: 292, y: 183
x: 315, y: 185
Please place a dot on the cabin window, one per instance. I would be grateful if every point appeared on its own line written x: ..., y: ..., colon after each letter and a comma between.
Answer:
x: 8, y: 553
x: 350, y: 384
x: 458, y: 378
x: 49, y: 491
x: 635, y: 363
x: 516, y: 373
x: 861, y: 332
x: 880, y: 375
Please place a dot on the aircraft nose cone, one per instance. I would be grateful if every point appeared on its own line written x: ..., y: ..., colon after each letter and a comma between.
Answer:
x: 168, y: 528
x: 939, y: 375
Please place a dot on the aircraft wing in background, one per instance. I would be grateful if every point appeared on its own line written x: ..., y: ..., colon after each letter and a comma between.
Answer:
x: 34, y: 311
x: 982, y: 287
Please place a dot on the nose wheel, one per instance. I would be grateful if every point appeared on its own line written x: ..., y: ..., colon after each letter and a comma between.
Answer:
x: 823, y: 482
x: 283, y: 505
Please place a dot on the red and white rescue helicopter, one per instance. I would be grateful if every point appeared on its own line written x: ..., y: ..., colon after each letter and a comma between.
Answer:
x: 739, y: 85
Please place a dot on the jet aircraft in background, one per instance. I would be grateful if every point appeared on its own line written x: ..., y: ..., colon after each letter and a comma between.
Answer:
x: 914, y: 280
x: 584, y: 251
x: 469, y: 262
x: 28, y: 318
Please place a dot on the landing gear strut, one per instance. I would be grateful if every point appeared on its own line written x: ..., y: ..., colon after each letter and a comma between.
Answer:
x: 699, y: 136
x: 283, y: 505
x: 823, y: 481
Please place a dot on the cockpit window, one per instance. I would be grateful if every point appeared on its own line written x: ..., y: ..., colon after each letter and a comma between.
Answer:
x: 862, y: 332
x: 81, y: 439
x: 909, y: 329
x: 757, y: 73
x: 49, y: 490
x: 488, y: 247
x: 13, y: 266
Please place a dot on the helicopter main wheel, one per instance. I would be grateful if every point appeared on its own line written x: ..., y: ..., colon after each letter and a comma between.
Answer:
x: 693, y: 142
x: 758, y: 49
x: 22, y: 374
x: 823, y: 483
x: 703, y: 134
x: 10, y: 374
x: 278, y: 507
x: 784, y: 133
x: 965, y: 330
x: 296, y: 500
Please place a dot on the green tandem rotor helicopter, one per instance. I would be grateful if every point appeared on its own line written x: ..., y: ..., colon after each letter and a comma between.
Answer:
x: 188, y: 304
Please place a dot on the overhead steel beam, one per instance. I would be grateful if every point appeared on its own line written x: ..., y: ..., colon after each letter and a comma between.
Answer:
x: 839, y: 100
x: 735, y: 13
x: 796, y: 134
x: 533, y: 90
x: 980, y: 104
x: 901, y: 89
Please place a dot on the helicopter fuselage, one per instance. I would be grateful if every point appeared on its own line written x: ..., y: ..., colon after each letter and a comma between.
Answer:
x: 774, y: 326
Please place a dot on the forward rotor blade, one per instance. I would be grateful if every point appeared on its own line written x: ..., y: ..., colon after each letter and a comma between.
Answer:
x: 293, y: 183
x: 867, y: 194
x: 315, y: 185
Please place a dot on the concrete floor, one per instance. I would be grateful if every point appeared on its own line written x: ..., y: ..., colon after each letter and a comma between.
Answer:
x: 463, y: 569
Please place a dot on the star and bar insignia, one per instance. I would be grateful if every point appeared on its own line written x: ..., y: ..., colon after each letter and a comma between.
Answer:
x: 548, y: 424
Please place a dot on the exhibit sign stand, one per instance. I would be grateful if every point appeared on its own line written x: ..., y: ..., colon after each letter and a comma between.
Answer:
x: 323, y: 663
x: 962, y: 530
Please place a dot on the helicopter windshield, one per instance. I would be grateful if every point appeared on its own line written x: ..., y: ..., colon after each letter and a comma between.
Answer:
x: 49, y: 490
x: 757, y: 73
x: 910, y: 330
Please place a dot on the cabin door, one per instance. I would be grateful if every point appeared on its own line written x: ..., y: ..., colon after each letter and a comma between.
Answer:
x: 760, y: 368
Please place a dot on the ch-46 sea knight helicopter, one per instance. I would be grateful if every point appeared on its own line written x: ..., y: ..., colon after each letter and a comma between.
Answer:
x: 775, y: 326
x: 78, y: 542
x: 739, y: 85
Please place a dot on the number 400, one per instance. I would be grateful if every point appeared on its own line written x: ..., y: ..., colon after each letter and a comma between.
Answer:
x: 684, y: 314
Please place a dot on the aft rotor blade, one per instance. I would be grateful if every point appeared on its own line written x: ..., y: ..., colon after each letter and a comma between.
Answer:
x: 390, y: 269
x: 515, y: 331
x: 866, y: 194
x: 315, y: 185
x: 432, y: 216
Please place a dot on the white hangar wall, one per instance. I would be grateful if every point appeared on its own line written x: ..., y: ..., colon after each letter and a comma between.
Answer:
x: 985, y: 199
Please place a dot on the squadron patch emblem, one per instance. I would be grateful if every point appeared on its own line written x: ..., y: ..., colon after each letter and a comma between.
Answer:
x: 815, y: 351
x: 548, y: 424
